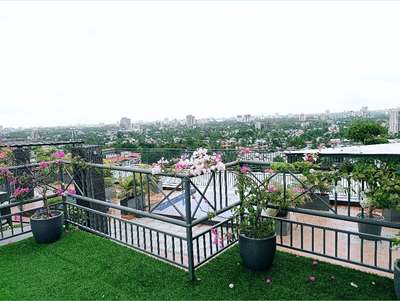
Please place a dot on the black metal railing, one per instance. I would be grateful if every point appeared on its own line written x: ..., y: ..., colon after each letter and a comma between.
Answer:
x: 192, y: 222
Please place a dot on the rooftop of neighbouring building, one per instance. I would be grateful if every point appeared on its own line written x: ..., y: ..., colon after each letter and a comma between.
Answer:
x: 374, y: 149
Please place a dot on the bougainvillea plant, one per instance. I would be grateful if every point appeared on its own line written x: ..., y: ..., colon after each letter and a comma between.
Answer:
x: 43, y: 178
x: 257, y: 196
x: 200, y: 162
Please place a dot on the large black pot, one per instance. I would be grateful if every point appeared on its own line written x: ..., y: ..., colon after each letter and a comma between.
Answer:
x: 369, y: 228
x: 47, y: 230
x: 257, y: 254
x: 397, y: 278
x: 318, y: 201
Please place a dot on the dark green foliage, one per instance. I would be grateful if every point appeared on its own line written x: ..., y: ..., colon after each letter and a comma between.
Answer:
x: 82, y: 266
x: 367, y: 132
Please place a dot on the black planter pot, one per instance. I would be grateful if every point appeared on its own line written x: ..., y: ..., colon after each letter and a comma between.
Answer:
x: 47, y: 230
x: 257, y: 254
x: 319, y: 201
x: 391, y: 215
x: 397, y: 278
x: 370, y: 229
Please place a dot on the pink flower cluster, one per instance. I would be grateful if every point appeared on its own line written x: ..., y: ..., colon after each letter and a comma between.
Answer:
x: 200, y: 162
x: 217, y: 239
x: 5, y: 172
x: 59, y: 155
x: 298, y: 189
x: 269, y: 170
x: 245, y: 169
x: 183, y: 164
x: 245, y: 150
x: 43, y: 165
x: 62, y: 192
x: 3, y: 155
x: 19, y: 192
x: 158, y: 167
x: 309, y: 157
x: 272, y: 188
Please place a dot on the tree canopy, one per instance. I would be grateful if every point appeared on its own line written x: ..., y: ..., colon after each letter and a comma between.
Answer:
x: 367, y: 132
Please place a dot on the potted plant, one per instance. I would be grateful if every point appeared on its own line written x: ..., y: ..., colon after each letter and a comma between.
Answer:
x: 257, y: 237
x: 46, y: 223
x: 382, y: 191
x: 319, y: 184
x: 283, y: 198
x: 314, y: 184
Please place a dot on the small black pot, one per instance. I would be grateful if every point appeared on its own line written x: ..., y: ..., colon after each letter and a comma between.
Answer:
x: 391, y: 215
x: 368, y: 228
x: 257, y: 254
x: 47, y: 230
x: 397, y: 278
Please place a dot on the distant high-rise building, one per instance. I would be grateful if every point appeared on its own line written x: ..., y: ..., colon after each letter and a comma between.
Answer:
x: 394, y: 121
x: 364, y: 111
x: 302, y: 117
x: 74, y: 133
x: 247, y: 118
x: 35, y: 134
x: 125, y: 123
x: 190, y: 120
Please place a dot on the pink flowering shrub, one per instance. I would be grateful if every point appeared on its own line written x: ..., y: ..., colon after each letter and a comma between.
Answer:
x: 245, y: 169
x: 20, y: 192
x: 198, y: 163
x: 245, y: 151
x: 59, y: 155
x: 27, y: 181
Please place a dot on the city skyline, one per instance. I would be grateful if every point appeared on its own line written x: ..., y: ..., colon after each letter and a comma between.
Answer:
x: 155, y: 60
x: 126, y: 122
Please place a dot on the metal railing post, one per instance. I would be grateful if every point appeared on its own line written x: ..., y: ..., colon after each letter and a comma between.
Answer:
x: 64, y: 198
x: 284, y: 187
x: 189, y: 234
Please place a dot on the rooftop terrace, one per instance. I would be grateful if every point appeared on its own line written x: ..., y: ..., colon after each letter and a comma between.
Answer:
x: 173, y: 226
x: 85, y: 266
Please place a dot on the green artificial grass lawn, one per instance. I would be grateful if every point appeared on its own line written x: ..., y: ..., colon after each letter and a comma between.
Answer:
x: 84, y: 266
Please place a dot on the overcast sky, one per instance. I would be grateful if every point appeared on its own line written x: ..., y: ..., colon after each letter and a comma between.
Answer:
x: 88, y: 62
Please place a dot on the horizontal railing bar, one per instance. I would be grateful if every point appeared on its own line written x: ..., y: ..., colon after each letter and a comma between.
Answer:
x: 33, y: 200
x: 127, y: 209
x: 253, y: 162
x: 131, y: 169
x: 126, y: 244
x: 340, y: 217
x: 16, y: 234
x: 29, y: 210
x: 233, y: 163
x: 205, y: 218
x: 330, y: 229
x: 29, y: 165
x: 124, y: 220
x: 212, y: 227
